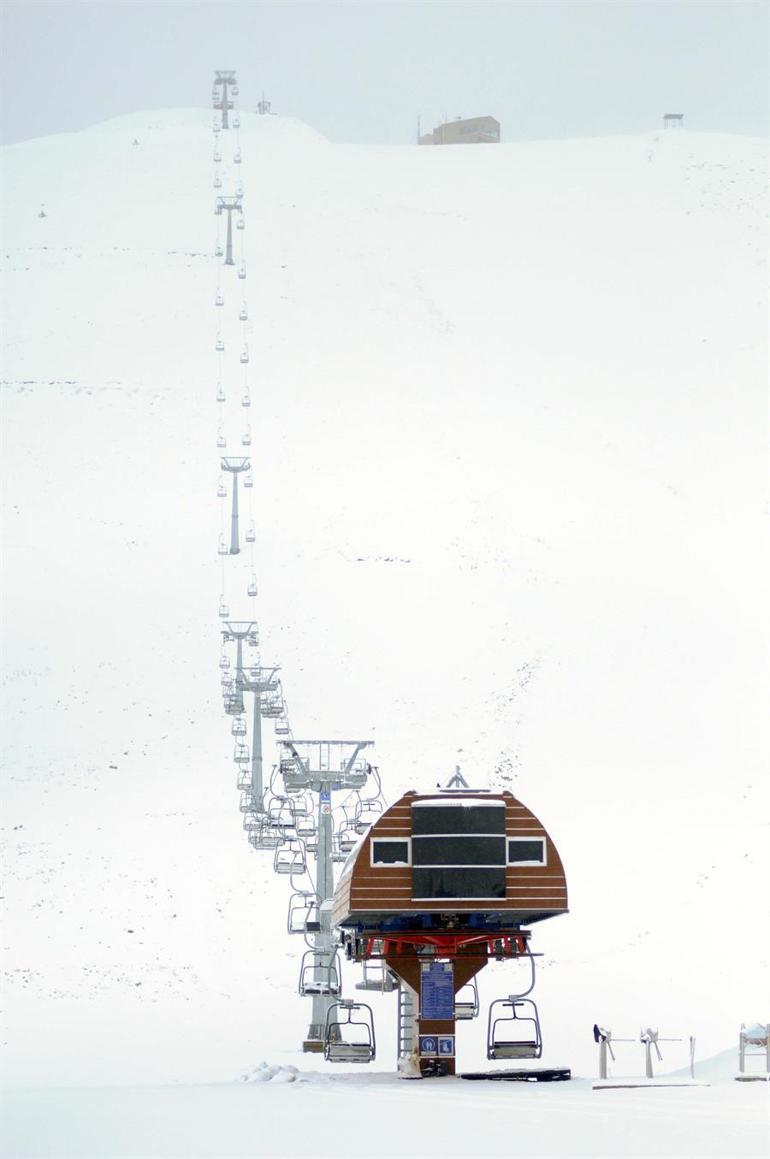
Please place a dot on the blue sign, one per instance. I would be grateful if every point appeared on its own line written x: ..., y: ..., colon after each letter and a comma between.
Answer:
x: 446, y: 1045
x: 326, y: 802
x: 428, y: 1045
x: 437, y: 990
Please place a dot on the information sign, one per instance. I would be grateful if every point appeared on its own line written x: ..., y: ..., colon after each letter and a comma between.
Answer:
x: 326, y: 802
x: 428, y: 1046
x: 437, y: 990
x: 446, y: 1045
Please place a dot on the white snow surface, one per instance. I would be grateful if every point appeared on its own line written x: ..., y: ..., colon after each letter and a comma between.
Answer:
x: 509, y: 445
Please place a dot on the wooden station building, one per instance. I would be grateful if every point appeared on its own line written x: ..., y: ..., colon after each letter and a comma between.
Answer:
x: 448, y: 879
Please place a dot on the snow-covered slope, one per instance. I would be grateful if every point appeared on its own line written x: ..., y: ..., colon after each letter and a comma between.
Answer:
x: 509, y: 448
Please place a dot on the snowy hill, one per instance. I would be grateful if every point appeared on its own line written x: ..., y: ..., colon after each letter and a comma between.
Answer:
x: 509, y: 448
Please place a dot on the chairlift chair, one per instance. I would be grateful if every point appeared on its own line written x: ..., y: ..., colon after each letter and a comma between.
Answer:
x: 303, y: 913
x: 247, y: 803
x: 350, y: 809
x: 217, y: 181
x: 377, y: 977
x: 241, y: 754
x: 264, y: 838
x: 248, y: 480
x: 251, y: 534
x: 513, y: 1030
x: 219, y: 300
x: 348, y: 839
x: 240, y: 223
x: 252, y: 588
x: 246, y: 438
x: 238, y: 727
x: 236, y: 122
x: 221, y: 440
x: 224, y: 661
x: 224, y: 610
x: 306, y: 828
x: 244, y: 356
x: 221, y: 396
x: 282, y: 727
x: 219, y: 344
x: 244, y: 778
x: 243, y: 313
x: 242, y: 271
x: 280, y: 813
x: 218, y: 251
x: 234, y: 704
x: 367, y: 814
x: 467, y: 1001
x: 246, y: 399
x: 303, y: 805
x: 338, y: 853
x: 319, y: 973
x: 237, y: 157
x: 217, y: 157
x: 349, y: 1032
x: 290, y: 857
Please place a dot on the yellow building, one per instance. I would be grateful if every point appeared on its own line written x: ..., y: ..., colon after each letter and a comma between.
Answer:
x: 473, y: 131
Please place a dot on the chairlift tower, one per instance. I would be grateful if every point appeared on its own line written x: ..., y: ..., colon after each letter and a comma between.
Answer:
x: 224, y: 78
x: 235, y: 467
x: 324, y: 767
x: 260, y: 681
x: 229, y: 205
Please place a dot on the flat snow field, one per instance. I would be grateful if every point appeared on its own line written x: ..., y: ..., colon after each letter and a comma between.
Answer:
x: 381, y: 1115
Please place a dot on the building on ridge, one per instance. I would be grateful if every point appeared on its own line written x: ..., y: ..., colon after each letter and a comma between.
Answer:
x: 463, y: 131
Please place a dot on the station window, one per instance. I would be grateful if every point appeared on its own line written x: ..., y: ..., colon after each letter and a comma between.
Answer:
x: 464, y: 883
x: 391, y: 851
x: 526, y: 851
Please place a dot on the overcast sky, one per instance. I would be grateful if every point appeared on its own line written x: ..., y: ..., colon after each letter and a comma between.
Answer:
x: 363, y: 70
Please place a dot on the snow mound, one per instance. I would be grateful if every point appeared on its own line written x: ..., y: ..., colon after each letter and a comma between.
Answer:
x: 264, y: 1072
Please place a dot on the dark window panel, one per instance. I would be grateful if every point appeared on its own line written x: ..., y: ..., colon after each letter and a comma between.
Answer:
x: 526, y: 851
x: 448, y: 883
x: 463, y: 850
x: 389, y: 852
x: 458, y: 819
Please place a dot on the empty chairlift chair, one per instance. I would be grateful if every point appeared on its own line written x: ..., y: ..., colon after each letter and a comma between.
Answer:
x: 280, y: 813
x: 306, y: 829
x: 367, y: 814
x: 319, y: 973
x: 349, y: 1032
x: 347, y: 838
x: 514, y: 1029
x: 377, y: 977
x: 467, y: 1001
x: 303, y: 917
x: 290, y: 857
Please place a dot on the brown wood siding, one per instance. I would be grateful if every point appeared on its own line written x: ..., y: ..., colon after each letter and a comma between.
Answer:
x: 388, y: 889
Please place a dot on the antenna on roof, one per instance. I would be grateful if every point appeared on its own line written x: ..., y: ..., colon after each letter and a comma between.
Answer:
x: 457, y: 780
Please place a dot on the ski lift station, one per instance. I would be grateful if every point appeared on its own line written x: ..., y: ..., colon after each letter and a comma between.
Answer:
x: 440, y: 885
